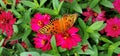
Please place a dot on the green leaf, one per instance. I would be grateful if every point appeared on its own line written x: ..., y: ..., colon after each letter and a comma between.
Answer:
x: 29, y: 45
x: 20, y: 7
x: 82, y: 24
x: 60, y: 5
x: 93, y: 3
x: 36, y: 3
x: 13, y: 4
x: 104, y: 39
x: 27, y: 15
x: 1, y: 36
x: 95, y: 26
x: 19, y: 21
x: 61, y: 49
x: 84, y: 5
x: 107, y: 3
x: 45, y: 54
x: 86, y: 35
x: 104, y: 46
x: 29, y: 54
x: 102, y: 54
x: 42, y: 2
x: 95, y: 51
x: 95, y: 36
x: 35, y: 50
x: 2, y: 4
x: 83, y: 28
x: 6, y: 52
x: 20, y: 48
x: 89, y: 21
x: 112, y: 47
x: 54, y: 47
x: 46, y: 10
x: 15, y: 29
x: 22, y: 35
x: 55, y: 4
x: 16, y: 13
x: 29, y: 4
x: 102, y: 27
x: 88, y: 51
x: 1, y: 42
x: 117, y: 50
x: 16, y: 36
x: 25, y: 25
x: 76, y: 6
x: 27, y: 32
x: 97, y: 9
x: 1, y: 49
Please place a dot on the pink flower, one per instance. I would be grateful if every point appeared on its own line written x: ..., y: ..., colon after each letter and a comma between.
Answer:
x: 118, y: 54
x: 69, y: 39
x: 38, y: 21
x: 100, y: 17
x: 42, y: 41
x: 113, y: 27
x: 116, y: 4
x: 87, y: 14
x: 6, y: 22
x: 95, y: 16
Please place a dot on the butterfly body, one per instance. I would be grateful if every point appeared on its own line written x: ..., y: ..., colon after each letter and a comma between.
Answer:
x: 59, y: 25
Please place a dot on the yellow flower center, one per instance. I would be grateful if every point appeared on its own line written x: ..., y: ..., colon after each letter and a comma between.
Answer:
x: 43, y: 42
x: 95, y: 14
x: 66, y: 35
x: 40, y: 23
x: 2, y: 21
x: 115, y: 27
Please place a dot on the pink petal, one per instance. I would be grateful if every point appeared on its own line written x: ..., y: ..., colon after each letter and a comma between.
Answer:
x: 73, y: 30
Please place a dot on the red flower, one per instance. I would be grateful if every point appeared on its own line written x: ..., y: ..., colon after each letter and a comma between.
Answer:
x: 17, y: 1
x: 23, y: 44
x: 69, y: 39
x: 42, y: 41
x: 6, y: 22
x: 13, y: 42
x: 113, y: 27
x: 29, y: 54
x: 84, y: 47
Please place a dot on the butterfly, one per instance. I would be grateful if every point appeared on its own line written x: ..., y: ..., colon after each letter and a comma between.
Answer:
x: 59, y: 25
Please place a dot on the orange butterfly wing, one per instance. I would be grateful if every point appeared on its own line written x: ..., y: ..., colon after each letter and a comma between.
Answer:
x: 59, y: 25
x: 68, y: 21
x: 52, y: 28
